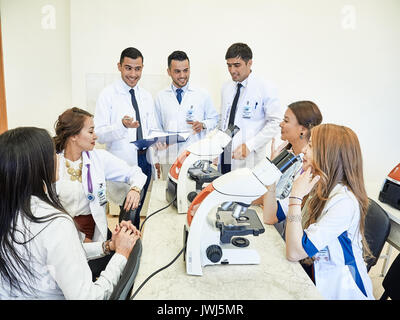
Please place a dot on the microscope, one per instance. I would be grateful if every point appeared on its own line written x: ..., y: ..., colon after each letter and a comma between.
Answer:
x: 219, y: 217
x: 192, y: 169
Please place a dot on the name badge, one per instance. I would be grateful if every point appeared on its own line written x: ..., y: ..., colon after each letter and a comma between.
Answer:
x: 102, y: 195
x: 323, y: 255
x: 246, y: 111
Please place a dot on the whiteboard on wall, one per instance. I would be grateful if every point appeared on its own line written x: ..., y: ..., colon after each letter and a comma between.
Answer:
x: 96, y: 82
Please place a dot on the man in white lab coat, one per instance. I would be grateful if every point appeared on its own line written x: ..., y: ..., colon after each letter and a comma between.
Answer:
x: 183, y: 107
x: 125, y: 113
x: 252, y: 105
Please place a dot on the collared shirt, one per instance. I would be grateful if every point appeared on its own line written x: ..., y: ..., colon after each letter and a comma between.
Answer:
x: 172, y: 116
x: 184, y: 89
x: 335, y: 242
x: 113, y: 104
x: 258, y: 115
x: 57, y: 257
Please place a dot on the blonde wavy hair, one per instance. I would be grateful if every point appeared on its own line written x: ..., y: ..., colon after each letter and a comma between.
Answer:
x: 337, y: 159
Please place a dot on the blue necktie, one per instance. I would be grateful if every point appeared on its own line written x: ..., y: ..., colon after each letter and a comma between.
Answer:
x: 179, y: 95
x: 139, y: 133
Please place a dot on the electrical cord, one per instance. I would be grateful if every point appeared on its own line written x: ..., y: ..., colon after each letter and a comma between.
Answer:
x: 157, y: 271
x: 157, y: 211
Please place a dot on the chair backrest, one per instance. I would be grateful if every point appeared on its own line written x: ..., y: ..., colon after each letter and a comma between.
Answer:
x: 377, y: 229
x: 125, y: 284
x: 391, y: 282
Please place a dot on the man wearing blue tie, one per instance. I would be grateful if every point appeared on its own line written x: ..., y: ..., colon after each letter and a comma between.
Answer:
x: 183, y: 107
x: 125, y: 113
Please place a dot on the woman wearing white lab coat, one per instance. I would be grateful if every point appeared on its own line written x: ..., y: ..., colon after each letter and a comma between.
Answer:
x: 82, y: 175
x: 300, y: 117
x: 41, y: 255
x: 327, y: 229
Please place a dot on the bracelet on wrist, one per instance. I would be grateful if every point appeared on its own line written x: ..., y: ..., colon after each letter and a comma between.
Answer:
x: 298, y: 198
x: 294, y: 204
x: 136, y: 189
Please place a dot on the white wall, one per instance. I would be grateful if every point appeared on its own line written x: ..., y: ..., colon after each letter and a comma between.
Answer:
x: 36, y: 61
x: 341, y: 54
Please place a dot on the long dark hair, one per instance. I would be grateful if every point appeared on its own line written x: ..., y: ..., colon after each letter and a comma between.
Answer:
x: 27, y: 168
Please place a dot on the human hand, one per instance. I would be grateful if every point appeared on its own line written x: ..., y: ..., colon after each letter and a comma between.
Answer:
x: 275, y: 151
x: 241, y: 152
x: 158, y: 169
x: 304, y: 184
x: 197, y: 126
x: 161, y: 145
x: 125, y: 240
x: 132, y: 200
x: 128, y: 122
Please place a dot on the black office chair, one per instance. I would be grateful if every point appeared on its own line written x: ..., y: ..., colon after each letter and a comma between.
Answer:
x: 377, y: 229
x: 391, y: 282
x: 132, y: 215
x: 125, y: 284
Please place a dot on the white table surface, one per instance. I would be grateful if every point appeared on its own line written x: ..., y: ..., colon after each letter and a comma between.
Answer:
x: 274, y: 278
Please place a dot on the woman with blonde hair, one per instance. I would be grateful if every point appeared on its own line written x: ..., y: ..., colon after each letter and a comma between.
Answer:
x: 326, y: 214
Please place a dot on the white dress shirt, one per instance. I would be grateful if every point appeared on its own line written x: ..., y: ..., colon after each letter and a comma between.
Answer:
x: 113, y: 104
x: 258, y: 115
x: 59, y: 261
x: 103, y: 167
x: 172, y: 116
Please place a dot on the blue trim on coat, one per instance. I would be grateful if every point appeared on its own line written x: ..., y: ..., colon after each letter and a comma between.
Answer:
x: 308, y: 246
x: 350, y: 261
x: 279, y: 213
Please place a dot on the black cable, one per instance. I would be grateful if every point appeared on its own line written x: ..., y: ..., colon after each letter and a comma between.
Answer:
x: 155, y: 272
x: 157, y: 211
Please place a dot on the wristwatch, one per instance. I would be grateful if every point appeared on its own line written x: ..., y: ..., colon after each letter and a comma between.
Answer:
x: 106, y: 247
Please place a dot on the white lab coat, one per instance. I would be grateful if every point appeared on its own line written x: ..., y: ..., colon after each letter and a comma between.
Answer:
x: 104, y: 166
x: 113, y: 104
x: 334, y: 240
x: 172, y: 117
x: 258, y: 115
x: 59, y: 260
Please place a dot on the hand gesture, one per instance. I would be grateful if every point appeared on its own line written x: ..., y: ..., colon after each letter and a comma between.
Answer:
x: 241, y: 152
x: 197, y: 126
x: 275, y: 151
x: 304, y: 184
x: 132, y: 200
x: 128, y: 122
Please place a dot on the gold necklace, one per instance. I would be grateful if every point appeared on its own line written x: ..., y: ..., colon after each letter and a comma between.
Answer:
x: 76, y: 174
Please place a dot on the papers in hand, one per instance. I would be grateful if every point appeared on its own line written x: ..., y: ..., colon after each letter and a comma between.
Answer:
x: 163, y: 137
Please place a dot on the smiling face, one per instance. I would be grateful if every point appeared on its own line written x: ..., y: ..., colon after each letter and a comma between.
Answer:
x: 179, y: 71
x: 131, y: 70
x: 238, y: 68
x: 86, y: 138
x: 308, y: 155
x: 291, y: 130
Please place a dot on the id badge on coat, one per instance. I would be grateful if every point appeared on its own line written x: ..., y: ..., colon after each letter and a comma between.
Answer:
x: 246, y: 113
x: 101, y: 194
x: 323, y: 255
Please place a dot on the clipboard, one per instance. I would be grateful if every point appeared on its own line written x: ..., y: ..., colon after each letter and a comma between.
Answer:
x: 161, y: 136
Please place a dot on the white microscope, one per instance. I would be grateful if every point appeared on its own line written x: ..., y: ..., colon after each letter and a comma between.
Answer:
x: 192, y: 168
x: 219, y: 218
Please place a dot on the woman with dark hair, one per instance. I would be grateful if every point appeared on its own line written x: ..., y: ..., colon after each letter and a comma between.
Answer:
x: 41, y: 255
x: 326, y: 214
x: 81, y: 187
x: 300, y: 117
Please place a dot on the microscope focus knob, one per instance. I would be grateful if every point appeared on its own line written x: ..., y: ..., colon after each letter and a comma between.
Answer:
x: 214, y: 253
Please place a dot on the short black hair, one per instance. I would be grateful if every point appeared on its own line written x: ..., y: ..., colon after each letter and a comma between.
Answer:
x: 130, y: 52
x: 239, y: 50
x: 177, y: 55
